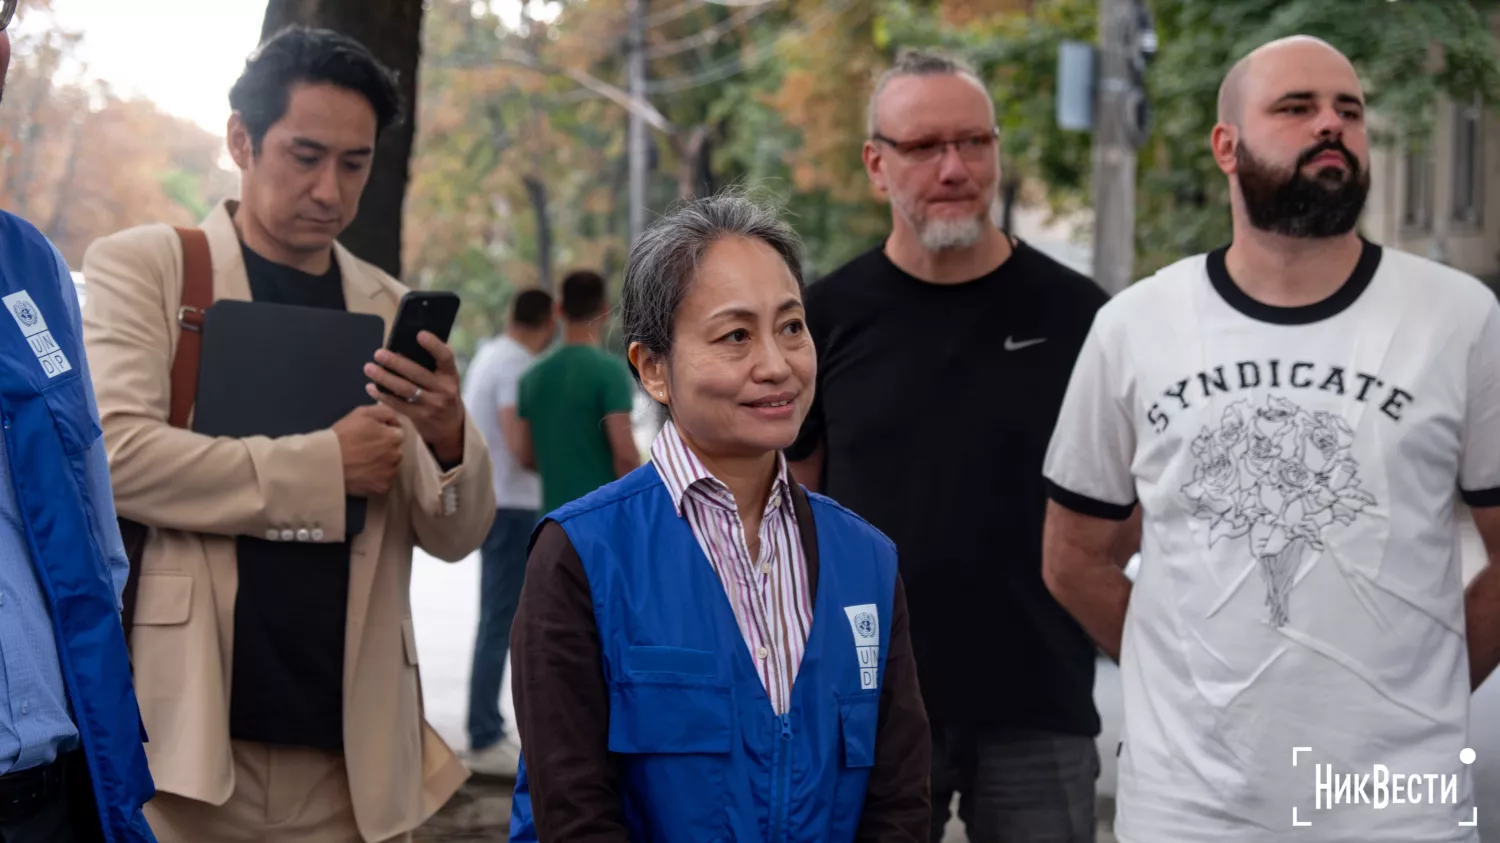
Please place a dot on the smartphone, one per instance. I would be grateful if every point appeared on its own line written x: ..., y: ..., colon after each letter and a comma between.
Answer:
x: 421, y: 310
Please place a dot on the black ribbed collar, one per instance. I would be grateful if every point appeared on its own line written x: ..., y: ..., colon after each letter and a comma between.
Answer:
x: 1342, y: 298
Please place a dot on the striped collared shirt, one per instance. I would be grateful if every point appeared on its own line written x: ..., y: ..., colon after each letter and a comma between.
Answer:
x: 769, y: 595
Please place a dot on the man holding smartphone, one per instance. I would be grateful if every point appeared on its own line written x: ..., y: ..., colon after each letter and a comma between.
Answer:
x: 274, y: 651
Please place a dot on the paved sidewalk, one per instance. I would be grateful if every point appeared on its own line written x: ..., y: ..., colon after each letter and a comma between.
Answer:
x: 1105, y: 833
x: 480, y: 811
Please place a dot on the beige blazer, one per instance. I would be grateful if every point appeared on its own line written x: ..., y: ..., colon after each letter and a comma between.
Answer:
x: 199, y: 492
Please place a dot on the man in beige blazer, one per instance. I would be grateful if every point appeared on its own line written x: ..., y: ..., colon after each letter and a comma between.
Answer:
x: 274, y: 655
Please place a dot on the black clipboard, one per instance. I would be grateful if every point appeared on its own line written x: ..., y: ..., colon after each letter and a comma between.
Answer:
x: 280, y: 370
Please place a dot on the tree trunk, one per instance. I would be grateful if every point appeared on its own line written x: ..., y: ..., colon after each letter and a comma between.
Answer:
x: 616, y: 174
x: 392, y: 30
x: 57, y: 226
x: 22, y: 174
x: 693, y: 177
x: 536, y: 190
x: 707, y: 184
x: 1008, y: 190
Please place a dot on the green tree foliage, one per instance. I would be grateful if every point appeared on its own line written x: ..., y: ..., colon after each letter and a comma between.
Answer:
x: 1407, y: 53
x: 773, y: 97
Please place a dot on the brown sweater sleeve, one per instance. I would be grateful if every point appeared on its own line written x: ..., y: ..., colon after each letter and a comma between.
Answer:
x: 898, y: 800
x: 562, y: 699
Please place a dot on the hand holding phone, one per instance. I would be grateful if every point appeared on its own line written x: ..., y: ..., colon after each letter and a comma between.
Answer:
x: 422, y: 310
x: 416, y: 373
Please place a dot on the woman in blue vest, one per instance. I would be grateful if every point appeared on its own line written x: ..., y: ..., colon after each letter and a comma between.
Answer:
x: 704, y: 650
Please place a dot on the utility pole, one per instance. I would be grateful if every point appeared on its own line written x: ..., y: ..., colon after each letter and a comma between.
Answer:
x: 1126, y: 40
x: 637, y: 138
x: 1113, y: 186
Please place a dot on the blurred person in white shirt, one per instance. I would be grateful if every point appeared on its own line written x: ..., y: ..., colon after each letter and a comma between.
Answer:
x: 490, y: 395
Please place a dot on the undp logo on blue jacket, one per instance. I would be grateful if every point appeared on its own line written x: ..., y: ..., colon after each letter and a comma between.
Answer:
x: 27, y: 314
x: 864, y: 620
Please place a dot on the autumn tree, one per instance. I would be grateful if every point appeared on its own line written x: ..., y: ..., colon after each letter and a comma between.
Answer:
x: 521, y: 165
x: 799, y: 122
x: 506, y: 157
x: 80, y: 163
x: 391, y: 29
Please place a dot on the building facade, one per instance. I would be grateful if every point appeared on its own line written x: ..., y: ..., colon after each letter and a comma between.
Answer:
x: 1442, y: 200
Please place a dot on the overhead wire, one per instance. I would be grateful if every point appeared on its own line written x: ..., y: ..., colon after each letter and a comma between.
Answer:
x: 709, y: 35
x: 758, y: 55
x: 740, y: 62
x: 672, y: 13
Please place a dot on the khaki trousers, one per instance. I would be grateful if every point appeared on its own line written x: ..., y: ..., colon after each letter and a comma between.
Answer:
x: 281, y: 795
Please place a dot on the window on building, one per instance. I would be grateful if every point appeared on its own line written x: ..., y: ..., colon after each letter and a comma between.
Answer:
x: 1468, y: 164
x: 1416, y: 215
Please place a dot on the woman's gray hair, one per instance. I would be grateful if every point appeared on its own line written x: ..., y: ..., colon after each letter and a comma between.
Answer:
x: 664, y: 261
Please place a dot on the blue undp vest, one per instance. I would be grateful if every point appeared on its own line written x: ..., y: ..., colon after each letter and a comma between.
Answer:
x: 704, y: 756
x: 44, y: 406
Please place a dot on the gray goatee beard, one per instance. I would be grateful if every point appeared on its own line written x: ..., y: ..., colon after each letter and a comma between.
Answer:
x: 947, y: 235
x: 943, y: 235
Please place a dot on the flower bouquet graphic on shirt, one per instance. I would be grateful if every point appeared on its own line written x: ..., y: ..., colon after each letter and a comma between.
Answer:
x: 1279, y: 477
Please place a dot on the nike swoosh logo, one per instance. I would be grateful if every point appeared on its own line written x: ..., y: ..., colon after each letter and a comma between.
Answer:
x: 1012, y: 345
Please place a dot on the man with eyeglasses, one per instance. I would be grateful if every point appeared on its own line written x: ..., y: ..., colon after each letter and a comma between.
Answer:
x: 944, y: 356
x: 72, y: 768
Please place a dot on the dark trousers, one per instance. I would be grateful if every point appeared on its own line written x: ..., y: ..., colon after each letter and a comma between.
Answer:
x: 1014, y: 787
x: 503, y: 561
x: 52, y: 805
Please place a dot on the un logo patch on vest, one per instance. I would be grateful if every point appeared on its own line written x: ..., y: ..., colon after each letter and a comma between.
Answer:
x: 864, y: 619
x: 34, y: 328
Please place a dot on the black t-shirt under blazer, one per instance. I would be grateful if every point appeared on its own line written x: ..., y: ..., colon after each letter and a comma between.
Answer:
x: 292, y: 605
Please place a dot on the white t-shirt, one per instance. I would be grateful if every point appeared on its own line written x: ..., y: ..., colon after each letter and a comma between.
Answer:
x: 1300, y: 583
x: 489, y: 386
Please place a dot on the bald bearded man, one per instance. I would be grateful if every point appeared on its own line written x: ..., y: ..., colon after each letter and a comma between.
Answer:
x: 1295, y: 414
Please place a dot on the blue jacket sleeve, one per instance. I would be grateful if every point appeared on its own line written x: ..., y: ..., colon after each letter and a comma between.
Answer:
x: 98, y: 496
x: 522, y: 825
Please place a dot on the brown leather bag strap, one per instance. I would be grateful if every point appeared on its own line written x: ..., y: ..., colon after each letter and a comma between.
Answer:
x: 197, y: 295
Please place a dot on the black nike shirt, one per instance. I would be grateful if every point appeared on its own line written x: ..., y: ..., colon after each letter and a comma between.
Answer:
x: 935, y: 404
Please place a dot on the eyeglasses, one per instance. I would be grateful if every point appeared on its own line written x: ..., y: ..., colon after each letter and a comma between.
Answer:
x: 7, y: 12
x: 970, y: 147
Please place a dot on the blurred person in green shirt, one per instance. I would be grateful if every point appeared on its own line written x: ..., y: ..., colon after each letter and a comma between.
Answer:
x: 574, y: 403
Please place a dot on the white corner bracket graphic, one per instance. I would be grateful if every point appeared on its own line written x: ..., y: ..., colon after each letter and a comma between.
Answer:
x: 1297, y: 749
x: 1297, y: 823
x: 1474, y: 823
